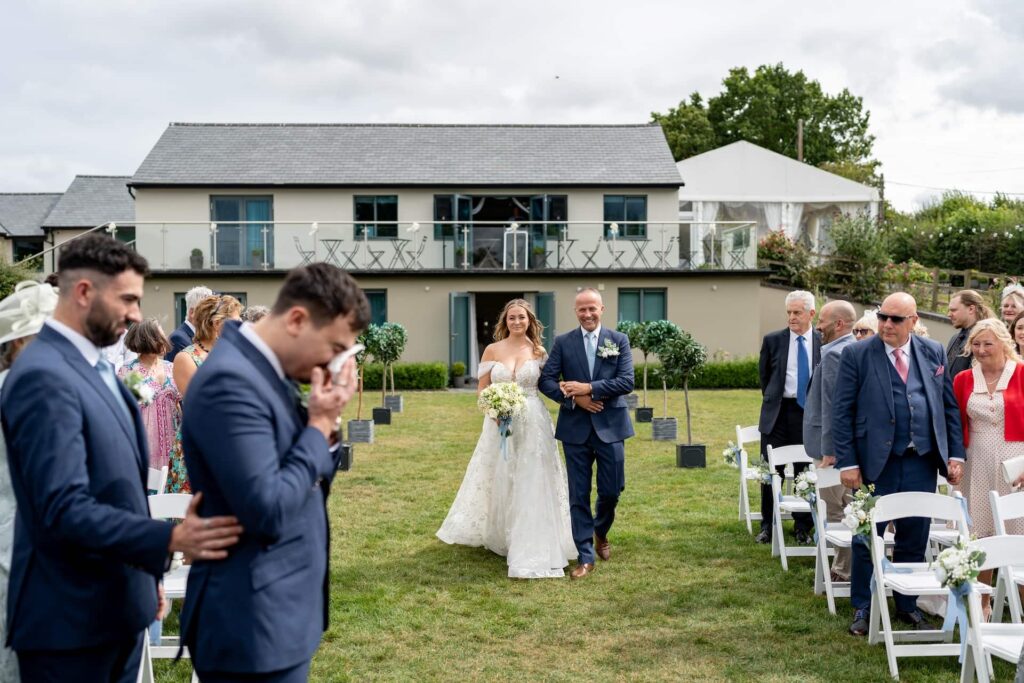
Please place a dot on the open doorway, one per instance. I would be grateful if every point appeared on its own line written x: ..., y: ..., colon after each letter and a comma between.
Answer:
x: 488, y: 307
x: 490, y: 218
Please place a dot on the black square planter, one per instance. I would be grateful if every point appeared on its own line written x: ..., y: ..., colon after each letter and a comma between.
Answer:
x: 691, y: 455
x: 347, y: 451
x: 381, y: 416
x: 644, y: 414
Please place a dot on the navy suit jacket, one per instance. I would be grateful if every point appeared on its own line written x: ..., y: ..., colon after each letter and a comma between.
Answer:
x: 180, y: 338
x: 613, y: 379
x: 86, y: 553
x: 250, y: 453
x: 863, y: 415
x: 772, y: 372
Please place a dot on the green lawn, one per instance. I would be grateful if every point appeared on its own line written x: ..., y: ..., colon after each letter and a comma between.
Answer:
x: 686, y: 596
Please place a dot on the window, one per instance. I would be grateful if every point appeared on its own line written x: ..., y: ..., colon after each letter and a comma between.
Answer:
x: 630, y: 213
x: 378, y: 299
x: 180, y: 310
x: 552, y: 209
x: 380, y: 214
x: 245, y: 229
x: 451, y: 208
x: 642, y: 305
x: 26, y: 247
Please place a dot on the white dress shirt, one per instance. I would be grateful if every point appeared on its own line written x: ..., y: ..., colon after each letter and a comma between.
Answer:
x: 247, y: 331
x: 89, y: 351
x: 789, y: 389
x: 596, y: 333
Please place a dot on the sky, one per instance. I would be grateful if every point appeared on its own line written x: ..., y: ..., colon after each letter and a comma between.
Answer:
x: 88, y: 87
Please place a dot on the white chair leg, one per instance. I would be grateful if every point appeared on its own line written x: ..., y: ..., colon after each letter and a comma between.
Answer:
x: 146, y: 664
x: 1013, y: 595
x: 999, y: 596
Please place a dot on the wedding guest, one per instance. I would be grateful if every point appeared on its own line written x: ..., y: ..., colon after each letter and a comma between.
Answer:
x: 920, y: 330
x: 209, y: 317
x: 1017, y: 333
x: 254, y: 314
x: 787, y: 359
x: 255, y: 451
x: 965, y: 309
x: 866, y: 327
x: 19, y: 324
x: 182, y: 336
x: 897, y: 434
x: 991, y: 399
x: 87, y: 556
x: 161, y: 410
x: 1012, y: 302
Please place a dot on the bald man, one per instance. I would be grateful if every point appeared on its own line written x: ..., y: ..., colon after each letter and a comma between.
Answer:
x: 895, y: 424
x: 835, y: 325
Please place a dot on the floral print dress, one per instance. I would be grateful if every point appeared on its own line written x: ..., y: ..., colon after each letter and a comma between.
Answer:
x: 162, y: 420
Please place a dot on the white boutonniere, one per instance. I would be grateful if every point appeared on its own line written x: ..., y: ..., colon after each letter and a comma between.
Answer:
x: 136, y: 384
x: 608, y: 349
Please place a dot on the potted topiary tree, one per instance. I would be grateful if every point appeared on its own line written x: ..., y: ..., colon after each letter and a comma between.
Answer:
x: 643, y: 413
x: 682, y: 358
x: 376, y: 343
x: 360, y: 430
x: 195, y: 259
x: 458, y: 374
x: 658, y: 334
x: 632, y: 330
x: 393, y: 339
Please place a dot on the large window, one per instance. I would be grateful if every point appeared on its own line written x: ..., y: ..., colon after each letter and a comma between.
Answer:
x: 553, y: 209
x: 378, y: 299
x: 641, y: 305
x: 26, y: 247
x: 245, y: 231
x: 629, y: 212
x: 451, y: 208
x: 377, y: 216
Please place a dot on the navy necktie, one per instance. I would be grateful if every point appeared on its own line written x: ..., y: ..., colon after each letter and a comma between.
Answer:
x: 803, y: 372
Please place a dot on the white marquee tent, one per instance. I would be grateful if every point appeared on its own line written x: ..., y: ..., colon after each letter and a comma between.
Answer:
x: 744, y: 182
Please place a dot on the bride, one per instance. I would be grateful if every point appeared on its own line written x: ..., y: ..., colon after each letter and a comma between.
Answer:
x: 516, y: 506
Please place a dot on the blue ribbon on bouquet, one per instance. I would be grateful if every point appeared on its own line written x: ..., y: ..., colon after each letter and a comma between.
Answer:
x: 956, y: 614
x: 967, y: 515
x: 504, y: 431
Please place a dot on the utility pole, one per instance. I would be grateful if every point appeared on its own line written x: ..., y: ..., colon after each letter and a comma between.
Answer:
x: 799, y: 139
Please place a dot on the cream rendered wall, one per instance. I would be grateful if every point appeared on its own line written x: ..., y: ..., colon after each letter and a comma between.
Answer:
x: 168, y: 245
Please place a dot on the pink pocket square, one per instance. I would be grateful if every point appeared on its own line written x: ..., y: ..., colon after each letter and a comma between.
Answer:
x: 941, y: 370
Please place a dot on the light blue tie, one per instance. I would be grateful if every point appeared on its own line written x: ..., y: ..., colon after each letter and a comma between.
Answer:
x: 106, y: 371
x: 591, y: 352
x: 803, y: 372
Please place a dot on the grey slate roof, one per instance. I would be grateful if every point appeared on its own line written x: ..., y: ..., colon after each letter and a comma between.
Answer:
x: 403, y: 155
x: 22, y: 213
x: 91, y: 200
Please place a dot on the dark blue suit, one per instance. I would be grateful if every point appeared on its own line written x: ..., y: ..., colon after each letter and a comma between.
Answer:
x: 180, y: 338
x: 86, y: 553
x: 250, y: 453
x: 875, y: 418
x: 588, y: 436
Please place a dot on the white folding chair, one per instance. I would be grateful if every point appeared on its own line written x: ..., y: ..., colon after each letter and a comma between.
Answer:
x: 829, y: 538
x: 940, y: 534
x: 746, y: 435
x: 910, y: 578
x: 1011, y: 577
x: 157, y: 480
x: 167, y: 506
x: 987, y: 640
x: 778, y: 457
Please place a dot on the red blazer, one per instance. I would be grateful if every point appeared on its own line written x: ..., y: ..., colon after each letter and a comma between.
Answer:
x: 1013, y: 401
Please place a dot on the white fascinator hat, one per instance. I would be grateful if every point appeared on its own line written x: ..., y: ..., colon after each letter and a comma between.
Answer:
x: 23, y: 313
x: 1013, y: 288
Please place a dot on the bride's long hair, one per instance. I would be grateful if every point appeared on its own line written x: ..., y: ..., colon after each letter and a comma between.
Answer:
x: 534, y: 330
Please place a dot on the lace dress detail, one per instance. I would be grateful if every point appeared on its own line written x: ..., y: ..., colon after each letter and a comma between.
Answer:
x: 519, y: 507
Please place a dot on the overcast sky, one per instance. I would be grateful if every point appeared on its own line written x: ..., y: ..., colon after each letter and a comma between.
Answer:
x: 88, y: 87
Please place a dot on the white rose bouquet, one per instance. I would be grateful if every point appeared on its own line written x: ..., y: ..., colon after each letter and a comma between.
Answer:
x: 502, y: 401
x: 857, y: 515
x: 136, y: 384
x: 958, y: 564
x: 731, y: 455
x: 804, y: 485
x: 759, y: 472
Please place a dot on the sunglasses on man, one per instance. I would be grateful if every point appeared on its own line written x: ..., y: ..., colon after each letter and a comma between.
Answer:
x: 896, y: 319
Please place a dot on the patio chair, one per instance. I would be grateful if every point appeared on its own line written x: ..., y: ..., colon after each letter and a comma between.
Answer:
x: 305, y: 254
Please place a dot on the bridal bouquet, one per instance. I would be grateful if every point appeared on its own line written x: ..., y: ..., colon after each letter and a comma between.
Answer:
x: 857, y: 515
x: 136, y: 384
x: 804, y: 484
x: 502, y: 401
x: 731, y: 455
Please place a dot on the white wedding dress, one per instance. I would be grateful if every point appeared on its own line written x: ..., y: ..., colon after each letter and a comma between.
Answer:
x: 517, y: 506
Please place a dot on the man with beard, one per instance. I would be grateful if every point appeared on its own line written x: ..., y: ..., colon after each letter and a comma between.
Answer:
x: 87, y: 557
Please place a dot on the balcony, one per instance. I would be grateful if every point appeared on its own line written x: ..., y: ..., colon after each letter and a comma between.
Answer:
x: 447, y: 246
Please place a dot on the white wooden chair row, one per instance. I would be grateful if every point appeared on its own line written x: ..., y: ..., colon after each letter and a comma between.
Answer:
x: 750, y: 436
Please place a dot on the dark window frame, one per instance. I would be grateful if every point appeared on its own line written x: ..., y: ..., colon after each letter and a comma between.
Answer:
x: 632, y: 229
x: 642, y: 292
x: 376, y: 226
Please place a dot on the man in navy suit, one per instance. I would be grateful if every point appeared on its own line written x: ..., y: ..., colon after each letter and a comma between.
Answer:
x: 587, y: 373
x: 788, y: 358
x: 895, y: 424
x: 183, y: 334
x: 256, y: 452
x: 87, y: 556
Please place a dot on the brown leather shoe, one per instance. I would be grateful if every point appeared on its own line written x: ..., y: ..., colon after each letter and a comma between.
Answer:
x: 582, y: 570
x: 602, y: 547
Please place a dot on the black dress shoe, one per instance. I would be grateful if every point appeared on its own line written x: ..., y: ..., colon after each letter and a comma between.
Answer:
x: 804, y: 538
x: 914, y: 619
x: 764, y: 537
x: 860, y: 626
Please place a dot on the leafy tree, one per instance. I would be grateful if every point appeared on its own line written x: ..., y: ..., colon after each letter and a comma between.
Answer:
x: 10, y: 276
x: 682, y: 358
x: 687, y: 128
x: 865, y: 173
x: 369, y: 340
x: 657, y: 335
x: 635, y: 332
x: 391, y: 339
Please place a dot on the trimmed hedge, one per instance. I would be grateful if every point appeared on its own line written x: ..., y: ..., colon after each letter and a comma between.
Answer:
x: 410, y: 376
x: 733, y: 374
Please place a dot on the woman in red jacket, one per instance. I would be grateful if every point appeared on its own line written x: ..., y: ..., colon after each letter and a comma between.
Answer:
x: 991, y: 398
